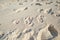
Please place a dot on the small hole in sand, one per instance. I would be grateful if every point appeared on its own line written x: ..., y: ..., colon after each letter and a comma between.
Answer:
x: 41, y: 10
x: 57, y: 2
x: 31, y: 38
x: 49, y: 2
x: 0, y: 24
x: 18, y: 0
x: 38, y: 4
x: 19, y: 35
x: 58, y: 15
x: 26, y: 8
x: 14, y: 9
x: 20, y: 3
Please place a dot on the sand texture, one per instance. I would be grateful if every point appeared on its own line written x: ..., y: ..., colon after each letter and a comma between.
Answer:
x: 29, y: 19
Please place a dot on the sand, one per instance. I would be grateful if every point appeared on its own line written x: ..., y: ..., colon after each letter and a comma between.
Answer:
x: 29, y: 19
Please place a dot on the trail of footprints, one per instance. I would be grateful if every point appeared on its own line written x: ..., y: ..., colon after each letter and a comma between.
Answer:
x: 37, y: 3
x: 29, y: 20
x: 28, y: 34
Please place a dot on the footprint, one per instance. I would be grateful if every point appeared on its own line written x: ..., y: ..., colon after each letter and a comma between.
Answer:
x: 26, y: 30
x: 40, y: 10
x: 26, y: 8
x: 28, y: 21
x: 49, y: 11
x: 58, y: 2
x: 31, y: 38
x: 40, y: 18
x: 1, y: 34
x: 14, y: 35
x: 49, y: 3
x: 57, y: 15
x: 16, y: 21
x: 28, y: 34
x: 39, y: 4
